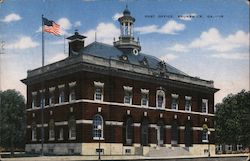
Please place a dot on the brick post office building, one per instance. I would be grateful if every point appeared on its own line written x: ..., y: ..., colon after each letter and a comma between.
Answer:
x: 130, y: 102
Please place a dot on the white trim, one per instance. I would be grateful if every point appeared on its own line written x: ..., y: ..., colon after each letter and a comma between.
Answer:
x: 118, y: 123
x: 114, y: 123
x: 84, y: 121
x: 52, y: 89
x: 136, y: 124
x: 97, y: 138
x: 174, y: 95
x: 128, y: 88
x: 188, y: 97
x: 34, y: 93
x: 98, y: 84
x: 61, y: 123
x: 122, y: 104
x: 146, y: 91
x: 61, y: 86
x: 42, y: 90
x: 40, y: 125
x: 72, y: 84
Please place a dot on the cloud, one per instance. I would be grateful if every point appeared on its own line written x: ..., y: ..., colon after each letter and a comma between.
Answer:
x: 77, y: 24
x: 168, y: 57
x: 171, y: 27
x: 235, y: 56
x: 57, y: 57
x: 213, y: 40
x: 187, y: 16
x: 146, y: 29
x: 179, y: 48
x: 11, y: 18
x: 65, y: 25
x: 116, y: 16
x: 105, y: 32
x: 23, y: 43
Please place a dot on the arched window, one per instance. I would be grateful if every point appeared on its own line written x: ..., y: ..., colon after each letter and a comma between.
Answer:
x: 175, y: 133
x: 129, y: 131
x: 72, y: 128
x: 33, y: 132
x: 97, y: 127
x: 188, y: 134
x: 144, y: 132
x: 160, y: 99
x: 51, y: 130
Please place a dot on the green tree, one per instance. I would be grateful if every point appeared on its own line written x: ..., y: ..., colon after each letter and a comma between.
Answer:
x: 233, y: 119
x: 12, y: 120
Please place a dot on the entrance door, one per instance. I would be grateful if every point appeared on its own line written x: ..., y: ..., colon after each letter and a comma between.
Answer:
x: 159, y: 131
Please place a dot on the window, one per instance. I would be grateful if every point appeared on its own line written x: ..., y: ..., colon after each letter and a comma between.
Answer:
x: 188, y: 103
x: 127, y: 94
x: 144, y: 97
x: 98, y: 91
x: 33, y: 103
x: 129, y: 131
x: 205, y: 136
x: 72, y: 94
x: 204, y: 106
x: 51, y: 130
x: 174, y: 104
x: 97, y: 127
x: 160, y: 99
x: 61, y: 95
x: 51, y: 95
x: 33, y: 132
x: 61, y: 134
x: 72, y: 128
x: 42, y: 100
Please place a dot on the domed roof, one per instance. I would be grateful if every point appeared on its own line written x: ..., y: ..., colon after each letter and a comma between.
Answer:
x: 126, y: 11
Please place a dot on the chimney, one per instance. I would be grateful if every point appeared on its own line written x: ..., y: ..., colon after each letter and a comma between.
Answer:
x: 76, y: 43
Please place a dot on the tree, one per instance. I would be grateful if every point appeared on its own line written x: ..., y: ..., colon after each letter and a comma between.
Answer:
x: 12, y: 120
x: 233, y: 119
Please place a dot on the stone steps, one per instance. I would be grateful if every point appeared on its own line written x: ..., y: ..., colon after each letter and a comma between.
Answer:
x: 168, y: 152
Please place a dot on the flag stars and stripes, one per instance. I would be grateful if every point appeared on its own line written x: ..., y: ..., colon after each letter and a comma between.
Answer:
x: 51, y: 27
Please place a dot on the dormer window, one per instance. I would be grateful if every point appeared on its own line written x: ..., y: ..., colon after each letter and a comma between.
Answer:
x: 160, y: 99
x: 127, y: 94
x: 98, y: 91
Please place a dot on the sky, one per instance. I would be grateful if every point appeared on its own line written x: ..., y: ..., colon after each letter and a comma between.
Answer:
x: 208, y: 39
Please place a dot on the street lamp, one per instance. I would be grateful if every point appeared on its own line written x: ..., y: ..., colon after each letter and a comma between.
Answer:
x: 99, y: 128
x: 208, y: 133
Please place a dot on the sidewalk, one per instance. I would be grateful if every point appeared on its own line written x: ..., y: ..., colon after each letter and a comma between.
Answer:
x: 78, y: 158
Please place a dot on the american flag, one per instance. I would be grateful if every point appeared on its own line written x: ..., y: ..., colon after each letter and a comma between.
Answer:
x: 51, y: 27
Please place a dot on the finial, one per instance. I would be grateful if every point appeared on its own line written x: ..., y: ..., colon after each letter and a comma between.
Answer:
x: 76, y: 32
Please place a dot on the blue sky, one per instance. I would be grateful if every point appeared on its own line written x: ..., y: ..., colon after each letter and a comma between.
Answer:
x: 212, y: 45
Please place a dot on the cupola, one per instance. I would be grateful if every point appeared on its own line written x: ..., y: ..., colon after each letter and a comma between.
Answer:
x: 126, y: 41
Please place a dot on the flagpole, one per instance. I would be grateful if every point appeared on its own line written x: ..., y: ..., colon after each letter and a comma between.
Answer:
x: 42, y: 96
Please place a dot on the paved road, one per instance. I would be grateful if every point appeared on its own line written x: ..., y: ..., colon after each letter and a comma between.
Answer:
x: 82, y: 158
